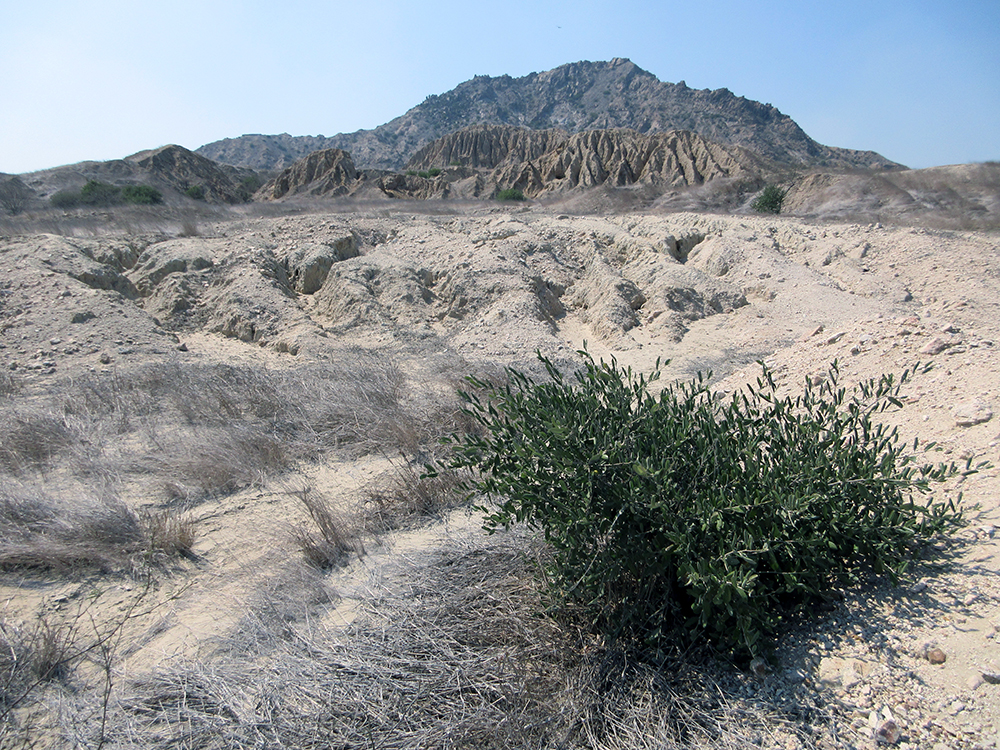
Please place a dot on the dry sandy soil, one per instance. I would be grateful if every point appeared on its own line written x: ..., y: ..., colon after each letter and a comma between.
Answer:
x: 430, y: 298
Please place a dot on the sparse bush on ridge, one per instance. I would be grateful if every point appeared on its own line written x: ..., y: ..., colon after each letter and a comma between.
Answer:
x: 770, y: 200
x: 676, y: 516
x: 196, y: 192
x: 97, y: 193
x: 14, y: 195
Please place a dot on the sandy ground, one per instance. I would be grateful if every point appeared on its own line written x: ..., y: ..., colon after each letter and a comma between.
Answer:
x: 493, y: 287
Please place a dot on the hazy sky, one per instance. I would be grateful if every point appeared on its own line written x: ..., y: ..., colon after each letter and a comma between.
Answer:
x: 917, y: 81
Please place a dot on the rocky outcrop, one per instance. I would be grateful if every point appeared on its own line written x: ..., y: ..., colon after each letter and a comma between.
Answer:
x: 487, y: 147
x: 327, y: 172
x: 574, y: 97
x: 623, y: 157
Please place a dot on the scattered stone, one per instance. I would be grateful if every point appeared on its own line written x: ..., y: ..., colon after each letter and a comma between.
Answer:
x: 935, y: 656
x: 993, y: 678
x: 971, y: 413
x: 758, y: 667
x: 967, y: 601
x: 888, y: 733
x: 935, y: 346
x: 919, y: 587
x: 105, y: 358
x: 849, y: 677
x: 974, y: 682
x: 835, y: 337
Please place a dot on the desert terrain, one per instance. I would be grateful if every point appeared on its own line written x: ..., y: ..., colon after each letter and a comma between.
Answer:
x: 215, y: 533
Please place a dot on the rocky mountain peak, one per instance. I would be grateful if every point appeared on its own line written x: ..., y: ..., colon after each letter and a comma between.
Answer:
x: 573, y: 97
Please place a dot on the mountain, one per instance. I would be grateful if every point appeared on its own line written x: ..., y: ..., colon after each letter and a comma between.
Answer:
x: 574, y: 97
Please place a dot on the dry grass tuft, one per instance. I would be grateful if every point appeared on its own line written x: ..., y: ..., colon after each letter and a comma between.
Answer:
x: 328, y: 543
x: 168, y: 533
x: 41, y: 531
x: 30, y: 438
x: 404, y: 497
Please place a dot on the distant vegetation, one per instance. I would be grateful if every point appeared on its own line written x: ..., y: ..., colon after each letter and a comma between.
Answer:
x: 427, y: 174
x: 196, y: 192
x: 14, y: 196
x: 511, y: 194
x: 769, y: 201
x: 97, y: 193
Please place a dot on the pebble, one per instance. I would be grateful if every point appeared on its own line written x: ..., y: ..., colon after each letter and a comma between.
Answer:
x: 992, y: 678
x: 971, y: 413
x: 935, y: 346
x: 936, y: 656
x: 888, y: 733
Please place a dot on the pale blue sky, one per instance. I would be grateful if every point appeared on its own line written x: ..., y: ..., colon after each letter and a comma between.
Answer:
x: 917, y: 81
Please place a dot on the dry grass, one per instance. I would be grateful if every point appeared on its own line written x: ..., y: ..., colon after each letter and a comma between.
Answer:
x: 452, y: 654
x: 328, y: 541
x: 38, y: 530
x: 404, y: 496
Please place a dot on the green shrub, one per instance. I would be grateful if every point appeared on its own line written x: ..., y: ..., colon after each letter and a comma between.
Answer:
x: 677, y: 517
x: 248, y: 186
x: 411, y: 173
x: 142, y: 195
x: 195, y: 192
x: 510, y: 194
x: 433, y: 172
x: 65, y: 199
x: 96, y: 193
x: 769, y: 201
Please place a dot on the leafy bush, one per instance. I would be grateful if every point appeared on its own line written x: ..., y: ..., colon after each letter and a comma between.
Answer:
x: 195, y: 192
x: 510, y: 194
x: 433, y: 172
x: 769, y: 201
x: 142, y: 195
x: 96, y: 193
x: 248, y: 186
x: 65, y: 199
x: 676, y: 515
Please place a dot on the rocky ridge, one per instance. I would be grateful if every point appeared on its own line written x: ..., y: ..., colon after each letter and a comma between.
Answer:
x: 481, y: 160
x: 573, y: 97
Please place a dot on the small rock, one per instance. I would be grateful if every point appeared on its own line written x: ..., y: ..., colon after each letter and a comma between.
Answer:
x: 948, y: 328
x: 919, y: 587
x: 935, y: 346
x: 182, y: 347
x: 758, y: 667
x: 105, y: 358
x: 971, y: 413
x: 888, y: 733
x: 993, y: 678
x: 969, y: 599
x: 936, y: 656
x: 835, y: 337
x: 974, y: 682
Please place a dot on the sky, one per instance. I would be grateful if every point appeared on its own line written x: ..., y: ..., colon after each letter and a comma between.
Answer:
x: 917, y: 81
